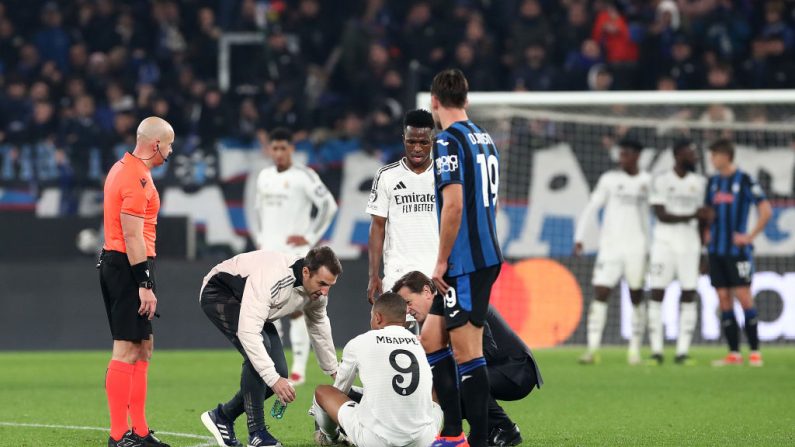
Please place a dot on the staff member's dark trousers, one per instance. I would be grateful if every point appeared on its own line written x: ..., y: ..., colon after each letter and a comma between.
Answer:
x: 223, y: 309
x: 510, y: 380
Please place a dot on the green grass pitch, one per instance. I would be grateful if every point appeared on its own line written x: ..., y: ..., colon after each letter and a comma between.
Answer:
x: 608, y: 404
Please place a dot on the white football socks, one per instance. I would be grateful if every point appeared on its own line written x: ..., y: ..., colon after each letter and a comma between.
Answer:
x: 688, y: 317
x: 299, y: 339
x: 655, y: 327
x: 597, y: 317
x: 324, y: 421
x: 638, y: 325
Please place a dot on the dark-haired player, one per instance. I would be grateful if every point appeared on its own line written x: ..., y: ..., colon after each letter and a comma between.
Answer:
x: 286, y: 193
x: 466, y: 168
x: 513, y: 372
x: 243, y: 296
x: 623, y: 245
x: 677, y: 197
x: 730, y: 194
x: 404, y: 228
x: 396, y: 408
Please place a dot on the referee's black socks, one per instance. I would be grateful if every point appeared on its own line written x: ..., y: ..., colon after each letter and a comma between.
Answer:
x: 475, y: 395
x: 445, y: 382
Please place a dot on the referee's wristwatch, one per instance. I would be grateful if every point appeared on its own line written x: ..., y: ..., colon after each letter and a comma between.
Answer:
x: 148, y: 284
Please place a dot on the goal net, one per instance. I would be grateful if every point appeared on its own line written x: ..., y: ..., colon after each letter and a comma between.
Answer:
x: 554, y: 147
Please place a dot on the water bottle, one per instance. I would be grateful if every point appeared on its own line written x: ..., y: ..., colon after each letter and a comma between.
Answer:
x: 278, y: 409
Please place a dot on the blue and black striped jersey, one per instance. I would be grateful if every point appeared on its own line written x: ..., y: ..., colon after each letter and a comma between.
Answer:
x: 731, y: 197
x: 464, y: 153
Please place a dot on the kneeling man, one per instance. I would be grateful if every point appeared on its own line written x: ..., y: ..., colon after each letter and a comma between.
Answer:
x: 397, y: 407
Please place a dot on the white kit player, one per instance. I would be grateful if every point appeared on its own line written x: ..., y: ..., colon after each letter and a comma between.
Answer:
x: 396, y: 407
x: 677, y: 198
x: 285, y: 195
x: 623, y: 245
x: 404, y: 228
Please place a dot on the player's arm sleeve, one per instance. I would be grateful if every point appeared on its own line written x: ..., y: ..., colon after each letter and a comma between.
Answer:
x: 319, y: 327
x: 755, y: 192
x: 657, y: 195
x: 597, y: 200
x: 378, y: 204
x: 326, y: 206
x: 133, y: 199
x: 449, y: 156
x: 254, y: 309
x: 349, y: 367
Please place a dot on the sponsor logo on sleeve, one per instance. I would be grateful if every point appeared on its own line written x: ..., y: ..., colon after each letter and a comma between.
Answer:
x: 447, y: 163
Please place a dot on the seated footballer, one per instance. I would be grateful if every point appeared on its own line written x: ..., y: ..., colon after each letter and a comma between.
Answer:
x: 397, y: 408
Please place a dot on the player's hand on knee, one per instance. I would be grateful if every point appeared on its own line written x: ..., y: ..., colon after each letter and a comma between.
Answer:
x: 374, y: 288
x: 148, y: 302
x: 284, y: 390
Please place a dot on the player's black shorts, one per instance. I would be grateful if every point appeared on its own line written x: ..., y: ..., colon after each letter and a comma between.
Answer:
x: 467, y: 299
x: 120, y: 293
x: 730, y: 271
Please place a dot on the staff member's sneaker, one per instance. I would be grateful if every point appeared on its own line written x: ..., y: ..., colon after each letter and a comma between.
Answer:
x: 262, y: 438
x: 129, y: 439
x: 731, y: 359
x: 501, y: 437
x: 150, y: 440
x: 222, y: 429
x: 755, y: 359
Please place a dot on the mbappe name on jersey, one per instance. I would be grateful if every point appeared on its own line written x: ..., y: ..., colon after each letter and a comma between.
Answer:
x: 396, y: 340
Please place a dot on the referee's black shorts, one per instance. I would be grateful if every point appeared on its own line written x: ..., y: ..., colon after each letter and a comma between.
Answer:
x: 467, y: 300
x: 120, y: 293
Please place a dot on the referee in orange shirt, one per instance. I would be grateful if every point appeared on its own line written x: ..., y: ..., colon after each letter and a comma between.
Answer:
x: 126, y: 276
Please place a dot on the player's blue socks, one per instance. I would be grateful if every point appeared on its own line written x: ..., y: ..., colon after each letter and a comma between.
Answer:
x: 731, y: 330
x: 751, y: 328
x: 445, y: 382
x: 475, y: 395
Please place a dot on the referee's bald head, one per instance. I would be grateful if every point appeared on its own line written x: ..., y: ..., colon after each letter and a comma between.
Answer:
x: 153, y: 141
x: 154, y: 128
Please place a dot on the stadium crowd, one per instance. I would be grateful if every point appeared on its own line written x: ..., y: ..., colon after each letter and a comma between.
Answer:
x: 80, y: 74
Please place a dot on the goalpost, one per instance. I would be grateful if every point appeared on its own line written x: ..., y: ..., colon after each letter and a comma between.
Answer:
x: 555, y: 145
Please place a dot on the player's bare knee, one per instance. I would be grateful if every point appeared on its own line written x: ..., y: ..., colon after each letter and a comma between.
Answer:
x: 659, y: 294
x: 688, y: 296
x: 601, y: 293
x: 636, y: 296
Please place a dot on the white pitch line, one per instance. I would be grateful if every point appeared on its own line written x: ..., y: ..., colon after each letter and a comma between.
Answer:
x: 207, y: 439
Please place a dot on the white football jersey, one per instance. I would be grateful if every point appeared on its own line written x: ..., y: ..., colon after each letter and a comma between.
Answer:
x: 408, y: 201
x: 284, y: 205
x: 681, y: 196
x: 625, y: 219
x: 397, y: 382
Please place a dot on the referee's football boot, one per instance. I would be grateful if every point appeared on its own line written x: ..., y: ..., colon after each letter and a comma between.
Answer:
x: 222, y: 429
x: 129, y: 439
x: 150, y: 440
x: 263, y: 438
x: 502, y: 437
